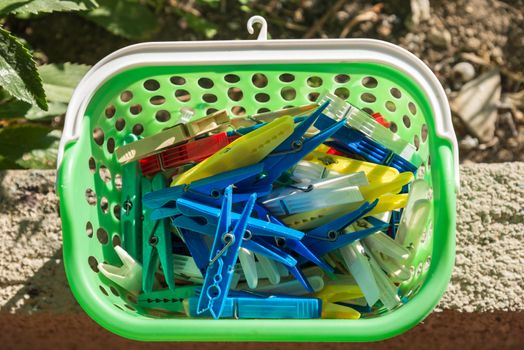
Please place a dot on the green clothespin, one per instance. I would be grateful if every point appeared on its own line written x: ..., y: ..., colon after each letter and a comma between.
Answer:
x: 131, y: 204
x: 157, y: 246
x: 166, y: 299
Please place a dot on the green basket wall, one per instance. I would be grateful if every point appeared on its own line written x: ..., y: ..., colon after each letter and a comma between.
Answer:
x: 146, y: 100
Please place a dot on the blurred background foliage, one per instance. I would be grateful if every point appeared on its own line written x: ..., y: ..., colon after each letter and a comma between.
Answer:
x: 46, y: 46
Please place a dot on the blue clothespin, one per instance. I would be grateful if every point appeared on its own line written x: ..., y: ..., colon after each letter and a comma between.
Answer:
x: 223, y: 257
x: 331, y: 236
x: 393, y: 223
x: 289, y: 152
x: 157, y: 245
x: 209, y: 190
x: 293, y: 244
x: 248, y: 306
x: 197, y: 248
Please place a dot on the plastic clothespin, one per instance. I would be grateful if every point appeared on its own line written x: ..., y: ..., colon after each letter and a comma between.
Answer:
x: 388, y: 291
x: 130, y: 220
x: 247, y: 262
x: 223, y: 257
x: 375, y: 173
x: 249, y: 306
x: 293, y: 244
x: 315, y: 195
x: 186, y: 266
x: 191, y: 152
x: 390, y: 256
x: 336, y: 311
x: 289, y: 152
x: 289, y: 287
x: 197, y: 247
x: 394, y: 220
x: 246, y: 150
x: 267, y: 268
x: 333, y: 235
x: 157, y: 244
x: 173, y: 136
x: 367, y: 125
x: 208, y: 190
x: 332, y: 294
x: 127, y: 276
x: 168, y: 300
x: 415, y: 216
x: 359, y: 267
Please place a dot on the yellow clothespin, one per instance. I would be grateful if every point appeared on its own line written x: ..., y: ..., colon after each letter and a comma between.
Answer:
x: 375, y: 173
x: 270, y: 116
x: 244, y: 151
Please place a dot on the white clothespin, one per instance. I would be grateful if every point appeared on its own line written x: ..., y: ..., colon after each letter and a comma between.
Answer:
x: 127, y: 276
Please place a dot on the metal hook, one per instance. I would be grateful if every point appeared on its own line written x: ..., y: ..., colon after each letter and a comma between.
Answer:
x: 262, y: 35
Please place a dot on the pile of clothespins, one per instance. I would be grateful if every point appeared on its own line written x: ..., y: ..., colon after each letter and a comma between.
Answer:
x: 306, y: 212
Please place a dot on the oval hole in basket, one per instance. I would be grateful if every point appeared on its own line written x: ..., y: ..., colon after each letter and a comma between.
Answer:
x: 263, y: 110
x: 288, y: 93
x: 138, y: 129
x: 104, y: 291
x: 259, y: 80
x: 116, y: 240
x: 157, y: 100
x: 105, y: 173
x: 92, y: 165
x: 314, y: 81
x: 395, y: 92
x: 114, y: 291
x: 89, y: 229
x: 151, y: 85
x: 110, y: 111
x: 102, y: 236
x: 235, y: 94
x: 90, y: 196
x: 231, y: 78
x: 209, y: 98
x: 120, y: 124
x: 135, y: 109
x: 93, y: 263
x: 104, y: 205
x: 424, y: 133
x: 342, y: 92
x: 313, y: 96
x: 129, y: 307
x: 416, y: 142
x: 368, y: 110
x: 342, y: 78
x: 205, y: 83
x: 406, y: 121
x: 390, y: 106
x: 182, y: 95
x: 368, y: 97
x: 177, y: 80
x: 162, y: 116
x: 126, y: 96
x: 211, y: 111
x: 98, y: 136
x: 412, y: 108
x: 238, y: 110
x: 286, y: 77
x: 393, y: 127
x: 116, y: 211
x: 118, y: 182
x: 262, y: 97
x: 111, y: 145
x: 369, y: 82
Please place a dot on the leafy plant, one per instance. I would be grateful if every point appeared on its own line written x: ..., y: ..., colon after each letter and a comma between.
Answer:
x: 29, y: 94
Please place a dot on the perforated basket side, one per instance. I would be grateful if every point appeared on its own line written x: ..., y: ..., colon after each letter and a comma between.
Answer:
x: 145, y: 100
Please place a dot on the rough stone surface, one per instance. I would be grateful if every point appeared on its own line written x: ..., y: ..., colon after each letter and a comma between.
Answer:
x: 489, y: 272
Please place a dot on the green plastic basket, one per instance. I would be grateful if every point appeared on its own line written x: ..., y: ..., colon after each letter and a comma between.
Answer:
x: 141, y: 89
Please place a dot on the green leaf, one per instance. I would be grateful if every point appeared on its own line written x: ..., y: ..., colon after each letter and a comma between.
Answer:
x: 55, y: 109
x: 201, y: 25
x: 28, y: 146
x: 23, y: 7
x: 126, y: 18
x: 18, y: 74
x: 19, y: 109
x: 60, y: 80
x: 14, y: 108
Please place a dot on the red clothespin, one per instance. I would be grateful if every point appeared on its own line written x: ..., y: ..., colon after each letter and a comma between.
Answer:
x: 191, y: 152
x: 380, y: 119
x: 335, y: 152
